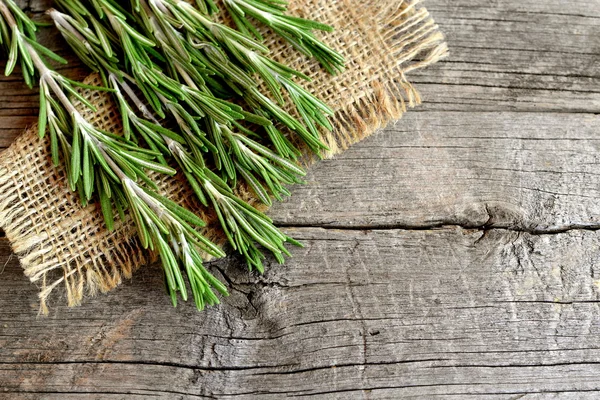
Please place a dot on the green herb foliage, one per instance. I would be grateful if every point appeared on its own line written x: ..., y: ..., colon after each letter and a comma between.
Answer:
x: 297, y: 31
x: 190, y: 102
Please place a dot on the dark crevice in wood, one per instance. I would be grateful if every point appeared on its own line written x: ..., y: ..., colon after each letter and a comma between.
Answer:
x: 327, y: 321
x: 479, y: 19
x: 351, y: 365
x: 150, y: 363
x: 500, y: 86
x: 152, y: 393
x: 477, y: 394
x: 570, y: 302
x: 539, y: 365
x: 443, y: 225
x: 375, y: 388
x: 526, y: 14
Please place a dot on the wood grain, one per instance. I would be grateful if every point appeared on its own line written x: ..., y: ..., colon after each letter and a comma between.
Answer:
x: 529, y: 171
x: 374, y: 313
x: 454, y: 255
x: 539, y: 56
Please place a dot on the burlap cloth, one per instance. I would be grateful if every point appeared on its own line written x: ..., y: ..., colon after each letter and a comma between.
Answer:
x: 62, y: 244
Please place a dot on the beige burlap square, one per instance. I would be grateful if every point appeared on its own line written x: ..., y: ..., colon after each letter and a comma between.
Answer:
x: 62, y: 244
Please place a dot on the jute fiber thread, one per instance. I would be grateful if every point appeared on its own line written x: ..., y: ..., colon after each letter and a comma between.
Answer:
x: 62, y: 244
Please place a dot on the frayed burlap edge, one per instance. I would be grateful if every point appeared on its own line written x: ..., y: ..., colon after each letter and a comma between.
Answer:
x: 68, y: 244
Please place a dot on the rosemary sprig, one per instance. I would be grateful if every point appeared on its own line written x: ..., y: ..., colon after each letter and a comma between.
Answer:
x: 243, y: 224
x: 170, y: 104
x: 114, y: 165
x: 154, y: 85
x: 297, y: 31
x: 169, y: 15
x: 164, y: 17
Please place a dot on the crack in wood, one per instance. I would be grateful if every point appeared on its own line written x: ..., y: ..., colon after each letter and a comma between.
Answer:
x: 445, y: 225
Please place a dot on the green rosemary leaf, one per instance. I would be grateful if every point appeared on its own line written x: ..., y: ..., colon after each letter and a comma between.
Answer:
x: 25, y: 55
x: 53, y: 144
x: 78, y: 96
x: 75, y: 156
x: 13, y: 54
x: 90, y: 87
x: 80, y: 191
x: 181, y: 212
x: 120, y: 203
x: 45, y: 51
x: 163, y: 131
x: 153, y: 166
x: 105, y: 204
x: 255, y: 185
x: 4, y: 35
x: 87, y: 173
x: 106, y: 184
x: 143, y: 177
x: 42, y: 119
x: 27, y: 76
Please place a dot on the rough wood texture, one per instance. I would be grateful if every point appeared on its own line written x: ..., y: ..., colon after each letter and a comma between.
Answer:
x: 452, y: 256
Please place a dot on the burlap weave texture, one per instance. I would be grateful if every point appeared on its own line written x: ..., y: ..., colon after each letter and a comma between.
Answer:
x: 61, y: 243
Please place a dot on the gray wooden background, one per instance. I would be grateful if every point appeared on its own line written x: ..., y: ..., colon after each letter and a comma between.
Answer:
x: 454, y: 255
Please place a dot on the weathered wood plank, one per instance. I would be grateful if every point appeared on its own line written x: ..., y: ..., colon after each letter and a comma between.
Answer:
x: 513, y: 56
x: 534, y: 171
x: 381, y: 314
x: 516, y: 56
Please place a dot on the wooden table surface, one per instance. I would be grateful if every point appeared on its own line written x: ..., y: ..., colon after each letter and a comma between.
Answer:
x: 454, y: 255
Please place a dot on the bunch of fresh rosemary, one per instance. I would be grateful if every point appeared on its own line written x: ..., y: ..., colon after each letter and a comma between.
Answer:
x: 196, y: 97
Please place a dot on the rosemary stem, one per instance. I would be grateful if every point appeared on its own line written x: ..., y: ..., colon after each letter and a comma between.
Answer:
x: 55, y: 15
x: 250, y: 7
x: 7, y: 14
x: 45, y: 74
x: 129, y: 183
